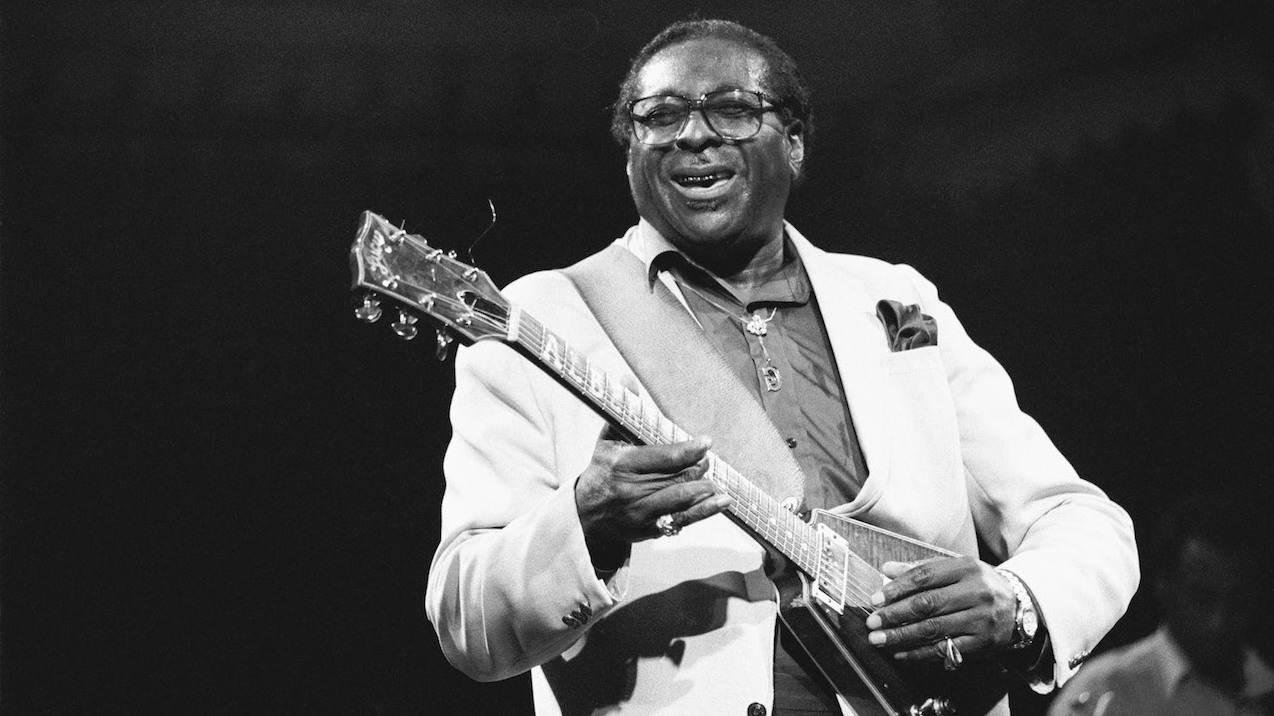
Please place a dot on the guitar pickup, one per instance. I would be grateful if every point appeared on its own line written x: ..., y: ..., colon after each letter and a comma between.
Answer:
x: 831, y: 582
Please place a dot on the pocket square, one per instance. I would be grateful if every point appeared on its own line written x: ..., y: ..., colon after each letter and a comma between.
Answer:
x: 905, y: 326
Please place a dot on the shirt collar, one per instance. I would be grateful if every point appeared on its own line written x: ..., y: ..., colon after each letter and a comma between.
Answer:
x: 1173, y: 663
x: 658, y: 254
x: 646, y: 243
x: 1175, y: 667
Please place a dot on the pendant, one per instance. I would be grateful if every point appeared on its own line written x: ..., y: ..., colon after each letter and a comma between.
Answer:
x: 773, y: 380
x: 756, y: 325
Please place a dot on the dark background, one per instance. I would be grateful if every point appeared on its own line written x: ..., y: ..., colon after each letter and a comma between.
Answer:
x: 220, y: 491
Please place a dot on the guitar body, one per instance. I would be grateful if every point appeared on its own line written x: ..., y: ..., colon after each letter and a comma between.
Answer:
x: 871, y: 681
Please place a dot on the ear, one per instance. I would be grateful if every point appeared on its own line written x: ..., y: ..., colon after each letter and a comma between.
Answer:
x: 796, y: 147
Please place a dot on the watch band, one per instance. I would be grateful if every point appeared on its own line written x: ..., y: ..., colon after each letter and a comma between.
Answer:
x: 1025, y: 620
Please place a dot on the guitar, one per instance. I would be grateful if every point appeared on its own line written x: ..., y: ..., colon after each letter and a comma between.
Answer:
x: 829, y: 566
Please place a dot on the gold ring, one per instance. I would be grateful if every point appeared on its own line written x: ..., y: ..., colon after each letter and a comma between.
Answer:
x: 951, y: 656
x: 666, y: 526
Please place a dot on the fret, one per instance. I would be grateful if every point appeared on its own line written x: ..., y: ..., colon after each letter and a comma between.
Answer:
x: 629, y: 413
x: 563, y: 355
x: 590, y: 380
x: 601, y: 385
x: 515, y: 323
x: 643, y: 421
x: 549, y: 351
x: 667, y: 431
x: 573, y: 361
x: 608, y: 394
x: 579, y: 369
x: 676, y: 434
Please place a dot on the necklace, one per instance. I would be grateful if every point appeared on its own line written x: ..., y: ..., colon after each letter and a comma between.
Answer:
x: 758, y: 325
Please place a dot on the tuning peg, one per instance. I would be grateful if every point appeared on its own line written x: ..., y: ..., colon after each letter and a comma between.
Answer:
x: 442, y: 343
x: 405, y: 326
x: 370, y: 311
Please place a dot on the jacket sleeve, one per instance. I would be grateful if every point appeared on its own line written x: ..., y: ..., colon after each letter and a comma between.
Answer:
x: 1072, y: 546
x: 511, y: 584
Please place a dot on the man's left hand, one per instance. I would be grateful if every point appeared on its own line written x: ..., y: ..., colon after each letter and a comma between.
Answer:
x: 959, y: 597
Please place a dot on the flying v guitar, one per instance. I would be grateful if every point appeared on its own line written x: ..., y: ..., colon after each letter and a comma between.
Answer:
x: 824, y: 600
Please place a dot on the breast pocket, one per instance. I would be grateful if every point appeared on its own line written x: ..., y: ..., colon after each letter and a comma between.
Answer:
x: 923, y: 435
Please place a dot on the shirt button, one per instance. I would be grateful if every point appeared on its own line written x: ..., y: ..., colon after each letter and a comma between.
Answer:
x: 756, y: 709
x: 791, y: 442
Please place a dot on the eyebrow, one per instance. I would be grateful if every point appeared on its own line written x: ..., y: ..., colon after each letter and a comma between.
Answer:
x: 718, y: 88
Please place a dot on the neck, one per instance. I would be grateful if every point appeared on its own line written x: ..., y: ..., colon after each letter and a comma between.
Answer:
x: 740, y: 268
x: 1220, y: 663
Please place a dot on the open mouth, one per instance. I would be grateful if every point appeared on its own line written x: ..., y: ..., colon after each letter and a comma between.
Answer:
x: 702, y: 181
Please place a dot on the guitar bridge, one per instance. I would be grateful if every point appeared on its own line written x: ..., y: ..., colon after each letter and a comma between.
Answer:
x: 832, y: 579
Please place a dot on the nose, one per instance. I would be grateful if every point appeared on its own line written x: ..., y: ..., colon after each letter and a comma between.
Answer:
x: 695, y: 135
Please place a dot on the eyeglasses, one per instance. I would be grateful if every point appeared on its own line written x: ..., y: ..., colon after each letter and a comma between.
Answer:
x: 733, y: 114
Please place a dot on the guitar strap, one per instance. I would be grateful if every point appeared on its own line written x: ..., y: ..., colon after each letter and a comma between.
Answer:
x: 681, y: 369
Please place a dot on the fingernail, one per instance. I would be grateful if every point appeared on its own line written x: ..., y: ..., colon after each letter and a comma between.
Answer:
x: 874, y: 622
x: 877, y: 599
x: 877, y: 638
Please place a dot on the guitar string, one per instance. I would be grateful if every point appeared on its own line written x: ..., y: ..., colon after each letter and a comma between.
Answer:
x: 576, y: 368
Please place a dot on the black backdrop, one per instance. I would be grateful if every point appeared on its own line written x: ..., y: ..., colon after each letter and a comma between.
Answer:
x: 220, y: 492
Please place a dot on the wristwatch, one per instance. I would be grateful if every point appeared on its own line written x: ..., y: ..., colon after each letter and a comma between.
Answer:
x: 1025, y: 621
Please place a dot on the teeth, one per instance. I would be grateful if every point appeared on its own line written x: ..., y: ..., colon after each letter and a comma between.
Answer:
x: 699, y: 179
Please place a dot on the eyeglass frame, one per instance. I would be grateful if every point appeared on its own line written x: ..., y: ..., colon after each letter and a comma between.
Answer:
x: 693, y: 105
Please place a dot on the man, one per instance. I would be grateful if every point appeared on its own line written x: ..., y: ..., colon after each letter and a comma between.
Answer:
x: 1204, y: 658
x: 607, y: 569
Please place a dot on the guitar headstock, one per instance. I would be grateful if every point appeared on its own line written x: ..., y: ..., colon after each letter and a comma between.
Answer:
x: 388, y: 262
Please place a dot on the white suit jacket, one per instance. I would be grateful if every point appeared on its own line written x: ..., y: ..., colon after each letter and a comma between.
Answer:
x: 687, y: 624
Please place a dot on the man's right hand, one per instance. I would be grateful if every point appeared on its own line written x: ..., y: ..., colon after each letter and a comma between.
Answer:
x: 627, y: 487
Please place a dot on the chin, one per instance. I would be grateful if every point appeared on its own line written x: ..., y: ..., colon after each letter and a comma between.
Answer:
x: 711, y: 238
x: 711, y: 226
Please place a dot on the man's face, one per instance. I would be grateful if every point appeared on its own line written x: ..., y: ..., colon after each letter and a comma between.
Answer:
x: 704, y: 195
x: 1207, y: 605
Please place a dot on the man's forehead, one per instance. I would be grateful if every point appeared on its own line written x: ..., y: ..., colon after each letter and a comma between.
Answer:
x: 703, y: 65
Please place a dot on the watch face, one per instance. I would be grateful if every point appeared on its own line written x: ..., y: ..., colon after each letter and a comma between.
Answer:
x: 1030, y: 623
